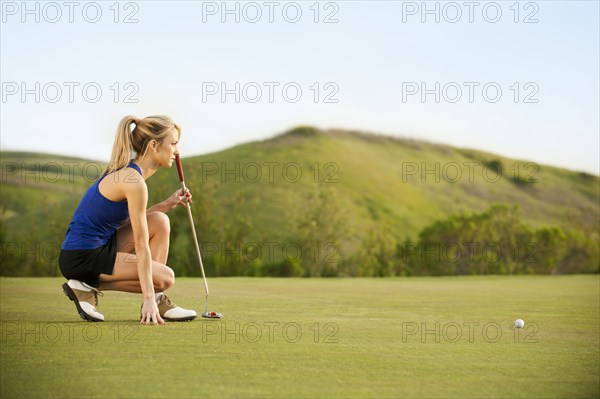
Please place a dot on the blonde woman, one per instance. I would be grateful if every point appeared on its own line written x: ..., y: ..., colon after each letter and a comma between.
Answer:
x: 115, y: 242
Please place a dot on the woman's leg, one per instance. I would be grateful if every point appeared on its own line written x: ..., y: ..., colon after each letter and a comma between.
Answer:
x: 159, y: 228
x: 125, y: 273
x: 125, y: 276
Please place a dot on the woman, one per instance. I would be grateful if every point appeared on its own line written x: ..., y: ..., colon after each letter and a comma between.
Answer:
x: 113, y: 241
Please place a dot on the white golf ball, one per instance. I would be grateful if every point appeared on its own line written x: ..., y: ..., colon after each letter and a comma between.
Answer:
x: 519, y: 323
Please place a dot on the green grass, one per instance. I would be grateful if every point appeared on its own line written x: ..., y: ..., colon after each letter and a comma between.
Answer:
x: 362, y: 349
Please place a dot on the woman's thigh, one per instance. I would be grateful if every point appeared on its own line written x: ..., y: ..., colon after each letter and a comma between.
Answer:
x: 126, y: 269
x: 156, y: 222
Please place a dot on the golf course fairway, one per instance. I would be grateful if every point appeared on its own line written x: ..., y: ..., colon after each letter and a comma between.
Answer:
x: 390, y: 337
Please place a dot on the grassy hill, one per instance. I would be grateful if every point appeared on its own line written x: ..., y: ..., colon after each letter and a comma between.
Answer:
x: 376, y: 183
x: 344, y: 184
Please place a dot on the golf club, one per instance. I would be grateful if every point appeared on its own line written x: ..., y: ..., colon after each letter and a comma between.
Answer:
x: 206, y: 314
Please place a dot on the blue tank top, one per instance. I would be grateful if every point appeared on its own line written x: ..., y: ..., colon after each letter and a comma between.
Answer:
x: 96, y: 218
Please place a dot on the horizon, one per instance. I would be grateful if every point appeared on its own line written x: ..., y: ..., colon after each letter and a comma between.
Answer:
x: 323, y: 131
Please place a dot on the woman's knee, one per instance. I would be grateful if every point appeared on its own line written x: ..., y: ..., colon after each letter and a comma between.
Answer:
x: 166, y: 279
x: 159, y: 221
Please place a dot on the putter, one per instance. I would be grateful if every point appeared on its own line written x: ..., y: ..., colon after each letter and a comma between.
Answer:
x: 206, y: 314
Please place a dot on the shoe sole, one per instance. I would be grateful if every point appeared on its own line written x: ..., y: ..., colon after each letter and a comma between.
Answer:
x: 177, y: 320
x: 190, y: 318
x: 71, y: 295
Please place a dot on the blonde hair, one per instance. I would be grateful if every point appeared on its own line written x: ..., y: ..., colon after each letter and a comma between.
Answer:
x: 128, y: 141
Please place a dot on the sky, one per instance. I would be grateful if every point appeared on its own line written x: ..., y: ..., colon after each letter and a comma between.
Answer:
x: 520, y: 79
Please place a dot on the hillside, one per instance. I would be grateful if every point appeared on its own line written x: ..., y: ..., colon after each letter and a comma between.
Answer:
x: 378, y: 181
x: 327, y: 185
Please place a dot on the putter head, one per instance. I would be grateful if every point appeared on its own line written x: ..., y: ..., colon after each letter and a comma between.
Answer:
x: 212, y: 315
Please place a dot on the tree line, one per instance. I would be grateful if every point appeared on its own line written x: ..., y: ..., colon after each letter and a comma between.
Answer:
x: 496, y: 241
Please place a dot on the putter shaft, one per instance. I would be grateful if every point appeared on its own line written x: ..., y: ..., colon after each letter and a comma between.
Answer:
x: 189, y: 212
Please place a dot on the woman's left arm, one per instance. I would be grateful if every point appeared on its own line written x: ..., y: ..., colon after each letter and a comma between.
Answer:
x: 166, y: 205
x: 171, y: 203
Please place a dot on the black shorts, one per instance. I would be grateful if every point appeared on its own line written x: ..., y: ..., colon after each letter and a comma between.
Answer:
x: 87, y: 264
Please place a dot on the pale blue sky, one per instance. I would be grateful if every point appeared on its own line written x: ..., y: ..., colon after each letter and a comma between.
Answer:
x: 368, y: 54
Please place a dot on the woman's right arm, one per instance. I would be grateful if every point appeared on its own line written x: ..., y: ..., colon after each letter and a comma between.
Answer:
x: 137, y: 199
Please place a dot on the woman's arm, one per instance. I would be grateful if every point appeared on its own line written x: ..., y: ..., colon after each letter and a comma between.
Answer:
x: 171, y: 203
x: 166, y: 205
x: 137, y: 199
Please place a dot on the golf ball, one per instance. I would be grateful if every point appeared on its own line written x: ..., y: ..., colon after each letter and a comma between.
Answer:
x: 519, y: 323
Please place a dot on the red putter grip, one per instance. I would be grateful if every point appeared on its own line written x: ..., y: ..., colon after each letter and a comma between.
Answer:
x: 179, y: 168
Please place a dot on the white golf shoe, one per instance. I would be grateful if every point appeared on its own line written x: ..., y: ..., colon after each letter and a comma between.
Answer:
x: 171, y: 312
x: 85, y: 298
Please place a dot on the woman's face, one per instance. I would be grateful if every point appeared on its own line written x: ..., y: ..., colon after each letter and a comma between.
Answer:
x: 165, y: 154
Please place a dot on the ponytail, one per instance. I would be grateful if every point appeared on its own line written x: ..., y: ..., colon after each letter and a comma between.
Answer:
x: 134, y: 142
x: 122, y: 151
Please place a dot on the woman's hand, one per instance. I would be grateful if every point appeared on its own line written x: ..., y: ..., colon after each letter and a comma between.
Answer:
x: 178, y: 199
x: 150, y: 314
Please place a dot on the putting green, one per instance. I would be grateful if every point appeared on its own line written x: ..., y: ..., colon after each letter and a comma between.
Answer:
x: 412, y: 337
